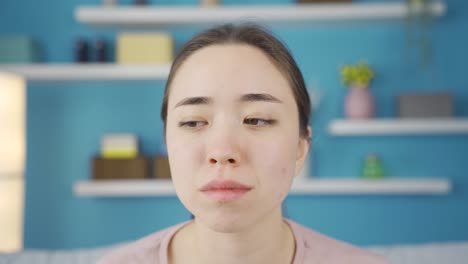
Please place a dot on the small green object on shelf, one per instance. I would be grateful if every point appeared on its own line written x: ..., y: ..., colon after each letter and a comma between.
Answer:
x: 373, y: 168
x: 18, y: 49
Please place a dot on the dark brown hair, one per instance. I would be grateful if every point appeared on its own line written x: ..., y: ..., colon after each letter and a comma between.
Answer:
x: 255, y: 36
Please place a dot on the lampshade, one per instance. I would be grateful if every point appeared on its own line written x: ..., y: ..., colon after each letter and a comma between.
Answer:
x: 12, y: 159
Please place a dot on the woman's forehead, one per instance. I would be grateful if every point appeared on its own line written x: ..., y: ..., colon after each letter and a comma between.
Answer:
x: 228, y: 71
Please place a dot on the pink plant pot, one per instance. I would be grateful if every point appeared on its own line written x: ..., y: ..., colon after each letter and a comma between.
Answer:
x: 359, y: 103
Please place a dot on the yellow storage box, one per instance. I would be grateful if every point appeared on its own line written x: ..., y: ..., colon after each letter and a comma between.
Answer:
x: 119, y: 146
x: 142, y: 48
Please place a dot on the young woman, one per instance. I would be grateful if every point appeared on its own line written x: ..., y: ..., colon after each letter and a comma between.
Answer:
x: 236, y: 122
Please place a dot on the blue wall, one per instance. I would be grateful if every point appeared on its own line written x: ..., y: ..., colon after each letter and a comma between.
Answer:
x: 65, y: 122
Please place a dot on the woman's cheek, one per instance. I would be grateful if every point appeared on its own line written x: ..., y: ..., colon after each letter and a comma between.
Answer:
x: 185, y: 159
x: 183, y: 176
x: 178, y: 156
x: 276, y: 177
x: 277, y: 165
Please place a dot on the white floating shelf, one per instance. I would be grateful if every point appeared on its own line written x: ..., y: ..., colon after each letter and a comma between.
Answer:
x: 173, y: 15
x: 125, y: 188
x: 105, y: 71
x: 396, y: 186
x: 399, y: 127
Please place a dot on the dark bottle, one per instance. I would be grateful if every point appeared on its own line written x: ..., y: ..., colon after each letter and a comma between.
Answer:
x: 101, y: 50
x: 81, y: 50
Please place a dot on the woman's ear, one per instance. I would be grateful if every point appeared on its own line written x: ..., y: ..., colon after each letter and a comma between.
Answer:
x: 302, y: 150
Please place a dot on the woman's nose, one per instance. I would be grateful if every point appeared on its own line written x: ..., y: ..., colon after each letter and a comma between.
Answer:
x: 224, y: 148
x: 224, y: 158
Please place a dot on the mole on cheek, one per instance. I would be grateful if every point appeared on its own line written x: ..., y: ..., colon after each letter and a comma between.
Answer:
x: 283, y: 171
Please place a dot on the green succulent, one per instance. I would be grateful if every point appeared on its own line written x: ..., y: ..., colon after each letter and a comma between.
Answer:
x: 359, y: 74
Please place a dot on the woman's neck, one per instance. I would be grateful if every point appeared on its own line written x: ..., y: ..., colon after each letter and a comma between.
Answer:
x: 270, y: 240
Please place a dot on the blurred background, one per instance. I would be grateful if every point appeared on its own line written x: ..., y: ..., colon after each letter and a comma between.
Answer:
x: 409, y: 127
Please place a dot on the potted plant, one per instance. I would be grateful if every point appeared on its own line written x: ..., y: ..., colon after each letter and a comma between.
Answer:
x: 359, y: 103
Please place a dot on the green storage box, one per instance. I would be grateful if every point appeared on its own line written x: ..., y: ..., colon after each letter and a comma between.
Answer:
x: 18, y: 49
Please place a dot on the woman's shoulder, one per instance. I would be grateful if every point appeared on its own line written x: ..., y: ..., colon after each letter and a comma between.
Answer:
x: 149, y: 249
x: 314, y: 247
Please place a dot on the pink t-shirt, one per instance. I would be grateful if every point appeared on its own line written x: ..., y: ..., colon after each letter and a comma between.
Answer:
x: 311, y: 247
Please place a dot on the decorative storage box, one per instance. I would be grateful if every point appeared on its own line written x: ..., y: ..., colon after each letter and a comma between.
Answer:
x: 119, y: 146
x: 144, y: 48
x: 425, y: 105
x: 161, y: 168
x: 18, y: 49
x: 136, y: 168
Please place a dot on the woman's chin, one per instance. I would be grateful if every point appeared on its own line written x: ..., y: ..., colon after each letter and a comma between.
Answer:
x: 226, y: 223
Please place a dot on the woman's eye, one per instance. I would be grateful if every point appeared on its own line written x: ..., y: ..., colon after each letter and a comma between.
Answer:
x: 192, y: 124
x: 258, y: 122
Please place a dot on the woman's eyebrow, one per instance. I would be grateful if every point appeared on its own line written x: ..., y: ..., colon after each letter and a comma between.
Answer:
x: 194, y: 101
x: 252, y: 97
x: 255, y: 97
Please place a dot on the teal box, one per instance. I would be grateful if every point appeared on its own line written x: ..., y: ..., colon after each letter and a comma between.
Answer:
x: 18, y: 49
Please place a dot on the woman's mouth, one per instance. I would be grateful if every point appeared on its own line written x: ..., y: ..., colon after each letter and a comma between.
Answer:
x: 225, y: 190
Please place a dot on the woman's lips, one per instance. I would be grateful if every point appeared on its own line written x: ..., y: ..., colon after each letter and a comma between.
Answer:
x: 225, y: 190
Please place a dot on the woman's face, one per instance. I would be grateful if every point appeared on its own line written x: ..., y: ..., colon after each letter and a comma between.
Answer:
x: 232, y: 117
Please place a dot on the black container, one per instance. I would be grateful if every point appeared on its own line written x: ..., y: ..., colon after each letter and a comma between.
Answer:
x: 81, y: 50
x: 101, y: 49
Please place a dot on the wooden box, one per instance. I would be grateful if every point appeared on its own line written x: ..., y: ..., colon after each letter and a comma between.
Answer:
x: 122, y: 168
x: 161, y: 168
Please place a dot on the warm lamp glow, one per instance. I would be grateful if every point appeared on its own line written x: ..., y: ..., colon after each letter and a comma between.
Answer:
x: 12, y: 158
